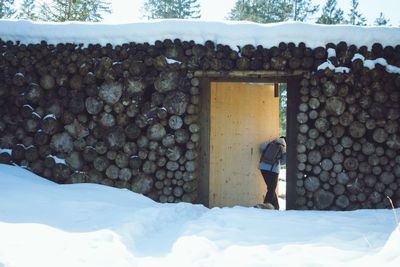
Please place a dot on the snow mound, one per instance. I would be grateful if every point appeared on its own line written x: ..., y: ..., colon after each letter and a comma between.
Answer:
x: 223, y: 32
x: 46, y: 224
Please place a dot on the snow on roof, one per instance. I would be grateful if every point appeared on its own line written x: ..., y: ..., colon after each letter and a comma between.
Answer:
x: 223, y: 32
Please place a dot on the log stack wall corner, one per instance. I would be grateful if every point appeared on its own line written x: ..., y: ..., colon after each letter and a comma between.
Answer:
x: 128, y: 116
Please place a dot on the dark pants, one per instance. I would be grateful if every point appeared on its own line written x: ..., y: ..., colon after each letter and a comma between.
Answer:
x: 271, y: 179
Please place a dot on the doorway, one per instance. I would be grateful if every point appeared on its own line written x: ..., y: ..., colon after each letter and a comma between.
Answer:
x: 247, y: 188
x: 242, y: 116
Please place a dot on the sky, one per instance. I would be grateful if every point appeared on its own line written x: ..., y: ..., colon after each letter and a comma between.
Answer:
x: 128, y: 10
x: 84, y: 225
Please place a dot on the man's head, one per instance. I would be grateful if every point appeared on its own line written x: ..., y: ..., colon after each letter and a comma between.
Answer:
x: 281, y: 140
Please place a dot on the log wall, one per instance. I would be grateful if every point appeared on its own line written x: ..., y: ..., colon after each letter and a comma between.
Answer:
x: 128, y: 116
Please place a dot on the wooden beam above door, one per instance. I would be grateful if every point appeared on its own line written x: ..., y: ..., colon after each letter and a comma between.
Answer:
x: 246, y: 74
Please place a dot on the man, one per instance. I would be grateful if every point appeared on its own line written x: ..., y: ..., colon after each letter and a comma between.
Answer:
x: 270, y: 168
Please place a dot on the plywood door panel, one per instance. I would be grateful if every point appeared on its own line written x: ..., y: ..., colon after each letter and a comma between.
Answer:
x: 242, y: 116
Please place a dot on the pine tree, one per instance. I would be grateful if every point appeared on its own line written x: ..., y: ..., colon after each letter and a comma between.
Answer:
x: 267, y: 11
x: 356, y: 18
x: 331, y: 14
x: 74, y: 10
x: 381, y: 20
x: 188, y: 8
x: 6, y: 8
x: 243, y: 10
x: 261, y: 11
x: 302, y: 9
x: 167, y: 9
x: 27, y: 10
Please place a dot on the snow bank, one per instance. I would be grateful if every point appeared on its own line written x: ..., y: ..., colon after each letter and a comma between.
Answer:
x: 83, y: 225
x: 224, y: 32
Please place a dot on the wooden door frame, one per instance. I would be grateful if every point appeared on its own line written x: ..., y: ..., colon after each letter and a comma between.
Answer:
x: 293, y: 99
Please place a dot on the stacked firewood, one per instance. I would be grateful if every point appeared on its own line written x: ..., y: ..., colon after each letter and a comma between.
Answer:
x: 128, y: 116
x: 348, y: 148
x: 117, y: 116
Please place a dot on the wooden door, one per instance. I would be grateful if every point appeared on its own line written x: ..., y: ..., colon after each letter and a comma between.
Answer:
x: 242, y: 116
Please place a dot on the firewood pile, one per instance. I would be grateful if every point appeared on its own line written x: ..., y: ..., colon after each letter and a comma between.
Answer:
x: 128, y: 116
x: 348, y: 141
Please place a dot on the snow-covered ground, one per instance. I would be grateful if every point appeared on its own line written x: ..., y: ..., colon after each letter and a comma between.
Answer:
x: 45, y: 224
